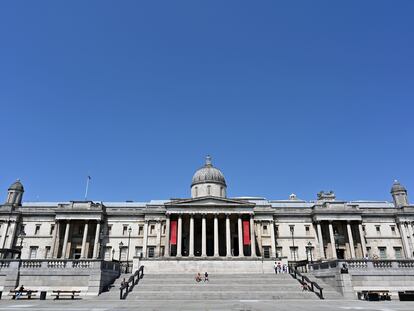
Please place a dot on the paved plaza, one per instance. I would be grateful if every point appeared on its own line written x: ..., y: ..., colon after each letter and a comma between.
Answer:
x: 240, y: 305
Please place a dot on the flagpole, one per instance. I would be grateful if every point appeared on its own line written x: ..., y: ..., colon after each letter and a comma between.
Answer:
x: 87, y: 186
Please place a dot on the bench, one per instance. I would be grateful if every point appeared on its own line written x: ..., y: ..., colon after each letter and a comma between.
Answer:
x: 376, y: 295
x: 27, y: 293
x: 66, y: 294
x: 406, y: 295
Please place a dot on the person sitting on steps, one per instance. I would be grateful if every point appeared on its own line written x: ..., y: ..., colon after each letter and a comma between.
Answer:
x: 198, y: 277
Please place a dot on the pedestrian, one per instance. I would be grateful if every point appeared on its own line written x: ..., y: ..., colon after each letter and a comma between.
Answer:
x: 206, y: 277
x: 275, y: 267
x: 305, y: 286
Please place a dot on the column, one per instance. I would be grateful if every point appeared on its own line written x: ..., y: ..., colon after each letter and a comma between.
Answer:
x: 410, y: 240
x: 203, y: 237
x: 320, y: 240
x: 96, y: 245
x: 228, y: 237
x: 191, y: 248
x: 216, y: 236
x: 179, y: 235
x: 12, y: 235
x: 65, y: 240
x: 252, y: 237
x: 404, y: 240
x: 145, y: 239
x: 158, y: 243
x: 167, y: 236
x: 350, y: 239
x: 55, y: 237
x: 273, y: 240
x: 240, y: 234
x: 362, y: 238
x: 4, y: 234
x: 85, y: 236
x: 332, y: 239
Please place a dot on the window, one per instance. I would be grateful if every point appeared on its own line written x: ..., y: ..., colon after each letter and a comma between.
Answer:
x: 369, y: 251
x: 276, y: 231
x: 292, y: 229
x: 163, y: 228
x: 196, y: 191
x: 37, y: 229
x: 138, y: 251
x: 152, y: 229
x: 363, y: 228
x: 124, y: 229
x: 294, y: 252
x: 393, y: 230
x: 140, y: 230
x: 279, y: 252
x: 307, y: 230
x: 124, y: 253
x: 266, y: 251
x: 398, y: 253
x: 382, y: 252
x: 109, y: 229
x: 47, y: 252
x: 33, y: 252
x: 265, y: 230
x: 52, y: 229
x: 221, y: 192
x: 151, y: 252
x: 378, y: 230
x: 208, y: 190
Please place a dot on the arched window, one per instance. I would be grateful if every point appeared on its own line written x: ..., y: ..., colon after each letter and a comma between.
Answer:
x: 221, y: 192
x: 208, y: 190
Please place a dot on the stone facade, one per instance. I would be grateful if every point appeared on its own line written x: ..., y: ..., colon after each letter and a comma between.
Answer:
x: 209, y: 225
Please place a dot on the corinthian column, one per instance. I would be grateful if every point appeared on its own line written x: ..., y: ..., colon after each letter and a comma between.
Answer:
x: 252, y: 236
x: 179, y: 235
x: 228, y: 238
x: 350, y: 239
x: 216, y: 236
x: 191, y: 251
x: 203, y: 237
x: 85, y: 236
x: 240, y: 234
x: 332, y: 238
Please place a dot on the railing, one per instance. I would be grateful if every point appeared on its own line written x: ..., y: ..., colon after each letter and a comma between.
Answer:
x: 127, y: 286
x: 365, y: 264
x: 314, y: 287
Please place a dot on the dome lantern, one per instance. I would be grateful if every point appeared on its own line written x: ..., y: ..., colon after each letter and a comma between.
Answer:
x: 208, y: 181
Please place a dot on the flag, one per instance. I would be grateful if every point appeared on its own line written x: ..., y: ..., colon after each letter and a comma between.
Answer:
x: 246, y: 232
x: 173, y: 235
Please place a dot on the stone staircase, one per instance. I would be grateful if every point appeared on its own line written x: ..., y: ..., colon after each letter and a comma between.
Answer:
x: 329, y: 292
x: 113, y: 292
x: 220, y: 287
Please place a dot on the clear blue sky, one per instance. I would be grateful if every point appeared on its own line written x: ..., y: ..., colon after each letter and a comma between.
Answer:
x: 293, y: 96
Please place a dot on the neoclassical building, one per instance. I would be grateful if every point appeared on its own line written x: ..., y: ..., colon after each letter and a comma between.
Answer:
x: 208, y: 225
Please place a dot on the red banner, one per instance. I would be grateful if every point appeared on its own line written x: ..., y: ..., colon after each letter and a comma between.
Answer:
x: 173, y: 232
x: 246, y: 232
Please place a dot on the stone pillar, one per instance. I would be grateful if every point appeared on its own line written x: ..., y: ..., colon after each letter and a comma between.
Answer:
x: 85, y: 236
x: 404, y: 240
x: 273, y: 240
x: 320, y: 240
x: 65, y: 240
x: 145, y: 239
x: 332, y: 239
x: 179, y: 235
x: 167, y: 236
x: 410, y: 240
x: 4, y: 234
x: 216, y: 236
x: 96, y: 244
x: 228, y: 237
x: 240, y: 234
x: 362, y: 238
x: 12, y: 235
x: 350, y: 239
x: 252, y: 237
x: 54, y: 239
x: 191, y: 248
x: 158, y: 243
x: 203, y: 237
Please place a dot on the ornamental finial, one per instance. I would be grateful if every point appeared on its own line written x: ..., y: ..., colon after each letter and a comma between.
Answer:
x: 208, y: 160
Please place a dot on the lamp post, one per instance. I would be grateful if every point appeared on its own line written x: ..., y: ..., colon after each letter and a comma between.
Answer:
x: 129, y: 240
x: 120, y: 247
x: 310, y: 251
x: 113, y: 254
x: 292, y: 231
x: 22, y: 234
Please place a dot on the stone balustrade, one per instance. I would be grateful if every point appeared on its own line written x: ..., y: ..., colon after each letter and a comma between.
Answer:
x: 362, y: 264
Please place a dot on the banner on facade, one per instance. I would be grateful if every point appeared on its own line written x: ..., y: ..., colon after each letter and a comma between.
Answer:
x: 173, y: 233
x: 246, y: 232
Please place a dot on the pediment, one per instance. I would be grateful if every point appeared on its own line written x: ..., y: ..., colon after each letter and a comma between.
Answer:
x: 210, y: 201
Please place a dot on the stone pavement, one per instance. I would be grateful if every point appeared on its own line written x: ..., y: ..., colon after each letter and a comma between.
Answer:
x: 217, y: 305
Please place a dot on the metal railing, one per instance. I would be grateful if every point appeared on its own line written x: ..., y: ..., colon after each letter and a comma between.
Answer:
x: 314, y: 287
x: 127, y: 286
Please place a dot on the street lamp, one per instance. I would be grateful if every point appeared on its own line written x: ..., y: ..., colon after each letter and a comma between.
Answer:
x: 292, y: 231
x: 129, y: 240
x: 113, y: 254
x: 22, y: 234
x: 120, y: 247
x: 310, y: 251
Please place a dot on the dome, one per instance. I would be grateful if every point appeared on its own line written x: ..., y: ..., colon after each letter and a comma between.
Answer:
x: 397, y: 187
x: 208, y: 174
x: 17, y: 186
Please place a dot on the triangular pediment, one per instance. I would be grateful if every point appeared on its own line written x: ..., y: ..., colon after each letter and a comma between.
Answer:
x: 210, y: 201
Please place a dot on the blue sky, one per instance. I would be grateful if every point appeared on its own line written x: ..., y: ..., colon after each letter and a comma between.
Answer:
x: 293, y: 96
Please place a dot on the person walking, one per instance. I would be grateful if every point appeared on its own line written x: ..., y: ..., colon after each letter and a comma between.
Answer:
x: 206, y: 277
